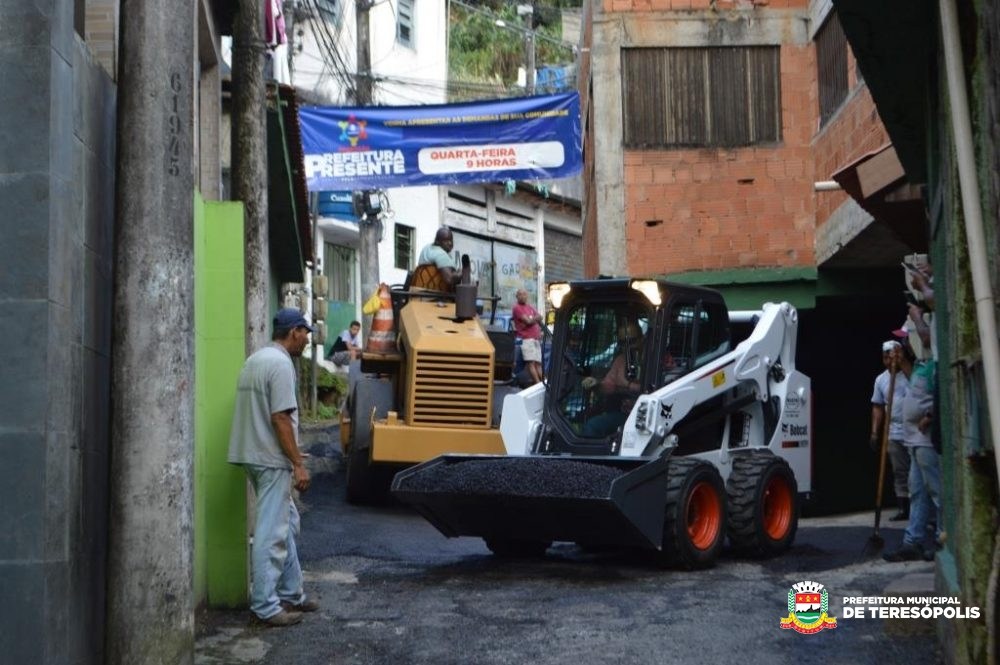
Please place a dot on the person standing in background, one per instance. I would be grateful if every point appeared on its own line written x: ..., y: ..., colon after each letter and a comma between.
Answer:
x: 528, y: 329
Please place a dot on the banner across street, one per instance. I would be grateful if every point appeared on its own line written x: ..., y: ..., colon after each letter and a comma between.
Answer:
x: 397, y: 146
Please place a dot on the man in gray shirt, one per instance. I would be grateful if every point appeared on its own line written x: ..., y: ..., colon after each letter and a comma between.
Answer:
x: 264, y: 441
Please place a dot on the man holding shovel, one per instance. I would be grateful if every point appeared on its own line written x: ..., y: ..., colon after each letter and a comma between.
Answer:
x: 899, y: 457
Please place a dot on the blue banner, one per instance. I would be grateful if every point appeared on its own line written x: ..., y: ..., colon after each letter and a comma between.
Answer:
x: 395, y: 146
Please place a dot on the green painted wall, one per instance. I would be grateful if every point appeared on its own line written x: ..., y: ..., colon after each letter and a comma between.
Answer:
x: 749, y: 288
x: 752, y: 287
x: 221, y: 563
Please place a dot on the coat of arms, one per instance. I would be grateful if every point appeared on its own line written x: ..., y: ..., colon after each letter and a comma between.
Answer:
x: 808, y: 603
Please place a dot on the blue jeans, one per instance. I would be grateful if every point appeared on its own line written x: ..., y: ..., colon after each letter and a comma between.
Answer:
x: 605, y: 423
x: 925, y: 494
x: 276, y: 575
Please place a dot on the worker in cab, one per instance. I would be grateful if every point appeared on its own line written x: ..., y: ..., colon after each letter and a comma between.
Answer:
x: 620, y: 386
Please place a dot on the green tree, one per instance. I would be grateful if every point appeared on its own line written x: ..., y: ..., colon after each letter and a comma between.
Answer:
x: 482, y: 52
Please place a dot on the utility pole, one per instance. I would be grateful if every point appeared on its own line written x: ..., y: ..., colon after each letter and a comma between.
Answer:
x: 527, y: 12
x: 249, y: 164
x: 150, y: 585
x: 290, y: 8
x: 368, y: 228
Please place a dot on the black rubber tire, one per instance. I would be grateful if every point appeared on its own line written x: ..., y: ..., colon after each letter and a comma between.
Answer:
x: 762, y: 524
x: 517, y: 549
x: 367, y: 483
x: 681, y: 548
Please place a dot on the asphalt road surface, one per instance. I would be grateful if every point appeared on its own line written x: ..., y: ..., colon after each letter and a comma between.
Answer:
x: 395, y: 591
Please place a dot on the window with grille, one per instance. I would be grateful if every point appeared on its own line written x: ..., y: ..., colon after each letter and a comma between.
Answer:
x: 696, y: 97
x: 831, y: 63
x: 339, y: 263
x: 404, y: 22
x: 404, y: 247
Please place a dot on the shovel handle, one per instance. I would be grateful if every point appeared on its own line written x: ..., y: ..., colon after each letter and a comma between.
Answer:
x: 884, y: 448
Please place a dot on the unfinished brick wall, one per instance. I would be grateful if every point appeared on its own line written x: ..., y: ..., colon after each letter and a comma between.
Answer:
x: 853, y: 131
x: 711, y: 209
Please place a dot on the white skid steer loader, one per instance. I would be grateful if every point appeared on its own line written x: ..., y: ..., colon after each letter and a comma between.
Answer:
x: 662, y: 425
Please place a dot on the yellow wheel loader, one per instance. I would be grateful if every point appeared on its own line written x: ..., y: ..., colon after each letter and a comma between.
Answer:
x: 439, y: 391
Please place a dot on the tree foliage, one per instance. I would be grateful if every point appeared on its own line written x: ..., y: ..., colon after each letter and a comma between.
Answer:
x: 482, y: 51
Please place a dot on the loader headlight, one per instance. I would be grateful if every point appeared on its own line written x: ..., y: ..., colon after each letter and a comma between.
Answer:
x: 648, y: 288
x: 558, y: 291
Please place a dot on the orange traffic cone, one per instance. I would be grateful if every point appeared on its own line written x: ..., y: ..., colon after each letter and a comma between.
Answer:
x: 382, y: 338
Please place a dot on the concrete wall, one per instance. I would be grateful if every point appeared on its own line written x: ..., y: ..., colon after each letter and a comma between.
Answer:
x: 967, y: 567
x: 57, y: 147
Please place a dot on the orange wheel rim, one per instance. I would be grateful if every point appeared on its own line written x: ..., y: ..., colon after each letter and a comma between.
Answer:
x: 778, y: 508
x: 704, y: 516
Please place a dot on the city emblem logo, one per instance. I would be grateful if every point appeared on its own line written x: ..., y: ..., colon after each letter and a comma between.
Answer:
x: 808, y: 603
x: 352, y: 129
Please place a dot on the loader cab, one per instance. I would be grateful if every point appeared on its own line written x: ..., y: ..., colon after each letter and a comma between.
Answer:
x: 612, y: 343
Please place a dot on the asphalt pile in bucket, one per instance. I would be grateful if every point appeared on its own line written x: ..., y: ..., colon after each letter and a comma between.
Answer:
x: 526, y: 476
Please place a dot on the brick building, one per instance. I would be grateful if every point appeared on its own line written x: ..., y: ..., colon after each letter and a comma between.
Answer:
x: 718, y: 136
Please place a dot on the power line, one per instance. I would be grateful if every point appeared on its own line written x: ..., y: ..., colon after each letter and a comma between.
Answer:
x: 327, y: 44
x: 503, y: 23
x: 341, y: 73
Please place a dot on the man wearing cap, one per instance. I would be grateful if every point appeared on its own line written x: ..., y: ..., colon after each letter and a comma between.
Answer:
x: 264, y: 441
x: 898, y: 455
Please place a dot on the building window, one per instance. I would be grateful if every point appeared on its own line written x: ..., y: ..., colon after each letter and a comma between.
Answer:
x: 330, y: 10
x: 404, y: 22
x: 339, y: 263
x: 831, y: 63
x: 694, y: 97
x: 404, y: 247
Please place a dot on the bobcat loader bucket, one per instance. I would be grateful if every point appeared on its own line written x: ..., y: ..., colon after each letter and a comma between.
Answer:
x: 589, y: 500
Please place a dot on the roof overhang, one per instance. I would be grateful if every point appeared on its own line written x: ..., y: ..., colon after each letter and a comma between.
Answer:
x: 289, y: 227
x: 878, y: 182
x: 893, y: 42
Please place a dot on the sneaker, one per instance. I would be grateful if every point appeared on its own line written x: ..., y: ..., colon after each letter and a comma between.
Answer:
x: 308, y: 605
x: 900, y: 516
x: 906, y: 552
x: 282, y: 619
